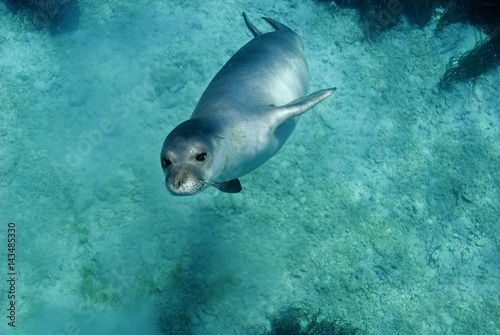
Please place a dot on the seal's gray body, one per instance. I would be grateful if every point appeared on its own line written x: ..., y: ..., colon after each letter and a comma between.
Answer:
x: 244, y: 116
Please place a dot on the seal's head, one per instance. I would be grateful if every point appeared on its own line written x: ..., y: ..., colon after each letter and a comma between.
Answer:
x: 187, y: 157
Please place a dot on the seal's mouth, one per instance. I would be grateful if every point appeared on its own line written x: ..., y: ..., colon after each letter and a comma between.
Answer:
x: 184, y: 182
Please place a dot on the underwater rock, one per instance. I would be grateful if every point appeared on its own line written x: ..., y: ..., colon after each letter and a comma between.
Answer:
x: 58, y: 16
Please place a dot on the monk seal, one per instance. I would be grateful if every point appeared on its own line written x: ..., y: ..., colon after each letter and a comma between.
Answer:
x: 245, y: 115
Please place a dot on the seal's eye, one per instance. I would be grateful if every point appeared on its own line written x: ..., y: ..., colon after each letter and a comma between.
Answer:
x: 201, y: 157
x: 165, y: 162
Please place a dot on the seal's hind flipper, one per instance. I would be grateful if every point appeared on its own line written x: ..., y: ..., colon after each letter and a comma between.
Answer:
x: 231, y: 186
x: 250, y: 26
x: 275, y: 24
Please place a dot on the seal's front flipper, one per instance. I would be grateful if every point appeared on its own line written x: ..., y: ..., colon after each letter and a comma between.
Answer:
x: 299, y: 106
x: 231, y: 186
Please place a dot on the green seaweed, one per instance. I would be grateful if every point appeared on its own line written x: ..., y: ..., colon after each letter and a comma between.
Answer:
x: 482, y: 14
x: 92, y: 287
x: 176, y: 321
x: 484, y: 56
x: 185, y: 292
x: 298, y: 320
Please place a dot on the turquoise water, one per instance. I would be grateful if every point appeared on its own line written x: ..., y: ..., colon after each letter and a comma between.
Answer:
x: 381, y: 209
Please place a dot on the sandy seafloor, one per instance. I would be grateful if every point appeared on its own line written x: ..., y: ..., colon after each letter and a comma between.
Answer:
x: 381, y: 209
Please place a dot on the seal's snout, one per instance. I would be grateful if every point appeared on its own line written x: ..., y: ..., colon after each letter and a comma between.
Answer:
x: 183, y: 182
x: 180, y: 178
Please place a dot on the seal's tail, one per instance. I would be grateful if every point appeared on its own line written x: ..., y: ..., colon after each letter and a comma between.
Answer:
x: 275, y: 24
